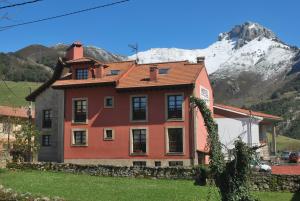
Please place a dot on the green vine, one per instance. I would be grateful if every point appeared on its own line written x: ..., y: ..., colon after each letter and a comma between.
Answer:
x: 230, y: 177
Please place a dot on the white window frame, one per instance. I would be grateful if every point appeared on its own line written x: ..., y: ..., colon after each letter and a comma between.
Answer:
x: 167, y: 141
x: 73, y: 110
x: 130, y: 103
x: 166, y: 106
x: 113, y: 102
x: 73, y: 138
x: 206, y: 99
x: 131, y: 141
x: 105, y: 135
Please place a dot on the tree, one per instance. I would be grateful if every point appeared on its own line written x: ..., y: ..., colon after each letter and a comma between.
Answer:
x: 232, y: 177
x: 26, y: 142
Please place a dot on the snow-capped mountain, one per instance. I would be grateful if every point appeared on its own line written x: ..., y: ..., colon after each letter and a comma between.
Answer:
x: 247, y: 47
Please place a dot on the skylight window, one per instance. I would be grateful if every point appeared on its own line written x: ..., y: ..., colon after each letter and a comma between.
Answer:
x: 114, y: 72
x: 163, y: 71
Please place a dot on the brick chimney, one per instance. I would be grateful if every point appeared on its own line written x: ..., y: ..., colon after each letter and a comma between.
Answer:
x: 75, y: 51
x: 200, y: 60
x: 99, y: 71
x: 153, y: 73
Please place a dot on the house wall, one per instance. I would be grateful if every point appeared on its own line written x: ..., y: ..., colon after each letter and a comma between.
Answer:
x: 201, y: 131
x: 230, y: 129
x: 6, y: 122
x: 54, y: 100
x: 117, y: 151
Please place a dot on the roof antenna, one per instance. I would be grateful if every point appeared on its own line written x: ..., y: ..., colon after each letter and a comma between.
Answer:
x: 135, y: 48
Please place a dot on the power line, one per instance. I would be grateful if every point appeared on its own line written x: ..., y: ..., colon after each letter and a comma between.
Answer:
x: 9, y: 89
x: 19, y: 4
x: 3, y: 28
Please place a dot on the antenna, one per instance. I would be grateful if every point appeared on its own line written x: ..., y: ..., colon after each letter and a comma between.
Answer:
x: 135, y: 48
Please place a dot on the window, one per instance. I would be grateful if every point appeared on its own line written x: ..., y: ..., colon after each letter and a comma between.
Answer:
x: 175, y: 140
x: 47, y: 118
x: 174, y: 103
x: 163, y: 71
x: 139, y: 163
x: 204, y: 95
x: 139, y: 138
x: 82, y: 74
x: 108, y: 102
x: 46, y: 140
x: 80, y: 111
x: 139, y: 108
x: 157, y: 163
x: 108, y: 134
x: 175, y: 163
x: 79, y: 137
x: 114, y: 72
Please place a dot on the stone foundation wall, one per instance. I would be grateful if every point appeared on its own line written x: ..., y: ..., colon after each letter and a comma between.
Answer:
x: 126, y: 162
x: 258, y: 181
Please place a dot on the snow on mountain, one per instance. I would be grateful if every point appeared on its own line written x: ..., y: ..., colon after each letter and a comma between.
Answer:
x: 247, y: 47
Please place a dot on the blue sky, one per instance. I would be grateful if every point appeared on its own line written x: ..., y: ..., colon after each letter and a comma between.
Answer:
x: 150, y: 23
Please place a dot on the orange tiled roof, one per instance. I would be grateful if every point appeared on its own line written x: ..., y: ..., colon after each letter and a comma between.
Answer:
x: 13, y: 112
x: 244, y: 111
x: 122, y: 66
x: 179, y: 73
x: 134, y: 75
x: 82, y: 60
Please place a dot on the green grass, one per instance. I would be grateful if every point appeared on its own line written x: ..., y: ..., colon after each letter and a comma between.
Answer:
x: 20, y: 89
x: 286, y: 144
x: 94, y: 188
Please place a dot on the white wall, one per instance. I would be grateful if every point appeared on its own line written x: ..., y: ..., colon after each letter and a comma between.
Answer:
x: 230, y: 129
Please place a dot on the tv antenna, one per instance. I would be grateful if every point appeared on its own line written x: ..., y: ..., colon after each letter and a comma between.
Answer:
x: 135, y: 48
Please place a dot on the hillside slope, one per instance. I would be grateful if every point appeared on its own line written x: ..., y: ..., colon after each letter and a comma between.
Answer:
x: 35, y: 63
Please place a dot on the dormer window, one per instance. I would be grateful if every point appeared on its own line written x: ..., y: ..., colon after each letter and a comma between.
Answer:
x: 114, y: 72
x: 163, y: 71
x: 82, y: 74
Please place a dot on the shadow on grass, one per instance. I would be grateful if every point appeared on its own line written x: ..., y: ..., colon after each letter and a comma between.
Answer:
x: 296, y: 196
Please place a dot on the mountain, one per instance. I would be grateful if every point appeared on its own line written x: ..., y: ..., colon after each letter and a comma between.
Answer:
x: 250, y: 67
x: 36, y: 62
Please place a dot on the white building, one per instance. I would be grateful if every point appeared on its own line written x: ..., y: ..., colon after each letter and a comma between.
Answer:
x: 249, y: 125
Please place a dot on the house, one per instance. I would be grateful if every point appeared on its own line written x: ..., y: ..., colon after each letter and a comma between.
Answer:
x: 123, y: 113
x: 250, y: 125
x: 9, y: 123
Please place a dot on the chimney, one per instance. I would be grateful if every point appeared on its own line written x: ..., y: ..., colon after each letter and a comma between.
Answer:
x: 200, y: 60
x: 153, y: 73
x: 75, y: 51
x: 100, y: 71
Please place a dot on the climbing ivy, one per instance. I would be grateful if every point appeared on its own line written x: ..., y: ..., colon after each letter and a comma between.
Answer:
x: 230, y: 177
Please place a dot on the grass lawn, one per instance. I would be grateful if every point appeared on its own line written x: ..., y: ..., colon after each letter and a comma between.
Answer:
x: 286, y: 144
x: 94, y: 188
x: 21, y: 89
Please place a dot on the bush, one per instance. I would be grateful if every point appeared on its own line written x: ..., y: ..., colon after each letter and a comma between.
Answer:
x: 202, y: 175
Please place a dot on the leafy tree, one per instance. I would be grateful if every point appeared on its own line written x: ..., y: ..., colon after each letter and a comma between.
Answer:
x: 26, y: 142
x: 232, y: 177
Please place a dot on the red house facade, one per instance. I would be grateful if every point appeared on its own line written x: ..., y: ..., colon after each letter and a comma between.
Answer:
x: 125, y: 113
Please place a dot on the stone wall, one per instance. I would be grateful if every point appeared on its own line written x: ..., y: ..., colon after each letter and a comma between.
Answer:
x: 115, y: 171
x: 272, y: 182
x: 51, y: 99
x: 8, y: 194
x: 258, y: 181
